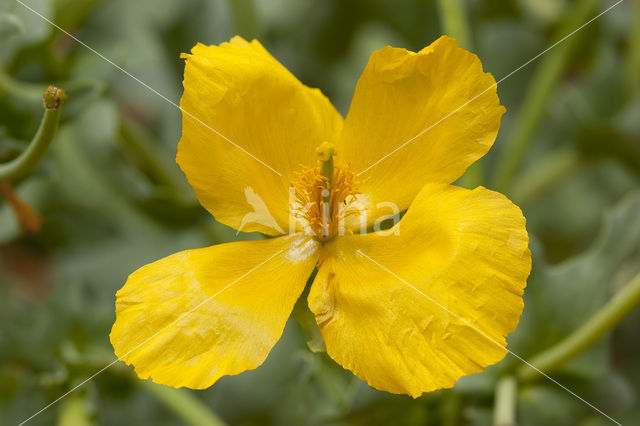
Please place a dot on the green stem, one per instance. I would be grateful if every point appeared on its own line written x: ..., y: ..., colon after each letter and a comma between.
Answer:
x: 588, y: 334
x: 74, y: 412
x: 633, y: 61
x: 307, y: 320
x: 474, y: 176
x: 504, y: 413
x: 546, y: 76
x: 184, y: 404
x: 25, y: 162
x: 453, y: 18
x: 245, y: 18
x: 158, y: 164
x: 452, y: 409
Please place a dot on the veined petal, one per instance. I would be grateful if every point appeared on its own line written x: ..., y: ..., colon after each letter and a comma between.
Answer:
x: 194, y: 316
x: 399, y: 96
x: 272, y: 123
x: 413, y: 312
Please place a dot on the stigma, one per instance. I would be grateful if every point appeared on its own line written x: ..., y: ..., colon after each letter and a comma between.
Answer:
x: 324, y: 195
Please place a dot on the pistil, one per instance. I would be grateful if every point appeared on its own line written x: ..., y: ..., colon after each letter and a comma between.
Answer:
x: 325, y: 153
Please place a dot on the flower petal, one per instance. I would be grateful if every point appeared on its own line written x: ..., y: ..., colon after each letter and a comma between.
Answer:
x: 194, y: 316
x: 272, y: 123
x: 401, y: 94
x: 413, y: 312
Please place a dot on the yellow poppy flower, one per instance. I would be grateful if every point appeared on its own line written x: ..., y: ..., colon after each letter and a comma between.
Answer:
x: 410, y: 309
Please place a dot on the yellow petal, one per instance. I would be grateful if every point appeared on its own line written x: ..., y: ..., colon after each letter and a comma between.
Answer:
x: 273, y: 124
x: 194, y: 316
x: 401, y: 94
x: 413, y: 312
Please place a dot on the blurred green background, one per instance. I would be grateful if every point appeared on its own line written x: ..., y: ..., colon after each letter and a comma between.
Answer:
x: 112, y: 199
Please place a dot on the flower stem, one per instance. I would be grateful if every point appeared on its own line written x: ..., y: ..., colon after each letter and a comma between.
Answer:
x: 504, y: 413
x: 588, y: 334
x: 551, y: 68
x: 25, y: 162
x: 184, y: 404
x: 453, y: 18
x: 633, y: 61
x: 245, y: 18
x: 454, y: 22
x: 165, y: 171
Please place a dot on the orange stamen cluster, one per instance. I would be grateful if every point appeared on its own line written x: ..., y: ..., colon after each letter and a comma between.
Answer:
x: 323, y: 207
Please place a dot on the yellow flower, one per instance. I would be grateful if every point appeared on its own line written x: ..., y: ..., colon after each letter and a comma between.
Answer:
x: 409, y: 310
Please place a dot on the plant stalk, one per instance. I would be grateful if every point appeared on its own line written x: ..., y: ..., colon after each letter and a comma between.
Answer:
x: 545, y: 78
x: 454, y: 22
x: 25, y: 162
x: 504, y: 413
x: 633, y: 59
x: 588, y: 334
x: 245, y: 18
x: 453, y: 17
x: 183, y: 403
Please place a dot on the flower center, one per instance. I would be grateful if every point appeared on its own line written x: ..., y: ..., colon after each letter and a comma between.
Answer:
x: 323, y: 195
